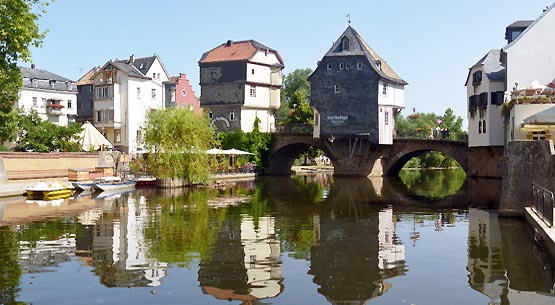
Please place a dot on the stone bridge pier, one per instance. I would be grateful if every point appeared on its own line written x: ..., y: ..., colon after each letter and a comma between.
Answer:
x: 358, y: 157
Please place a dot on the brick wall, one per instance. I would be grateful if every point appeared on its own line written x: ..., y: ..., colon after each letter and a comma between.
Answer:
x: 23, y: 165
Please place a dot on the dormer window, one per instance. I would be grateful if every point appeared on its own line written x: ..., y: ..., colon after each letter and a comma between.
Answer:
x: 52, y: 84
x: 379, y: 65
x: 345, y: 43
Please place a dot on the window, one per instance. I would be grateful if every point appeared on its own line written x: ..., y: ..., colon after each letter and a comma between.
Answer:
x: 347, y: 66
x: 379, y: 65
x: 138, y: 92
x: 34, y: 101
x: 191, y: 107
x: 359, y: 66
x: 337, y: 89
x: 477, y: 77
x: 253, y: 91
x: 43, y: 102
x: 69, y: 104
x: 153, y: 93
x: 104, y: 92
x: 117, y: 135
x: 484, y: 127
x: 153, y: 75
x: 479, y: 126
x: 341, y: 66
x: 386, y: 120
x: 497, y: 98
x: 99, y: 116
x: 172, y: 95
x: 183, y: 92
x: 211, y: 115
x: 329, y: 66
x: 232, y: 115
x: 158, y: 75
x: 384, y: 89
x: 52, y: 84
x: 252, y: 71
x: 345, y: 43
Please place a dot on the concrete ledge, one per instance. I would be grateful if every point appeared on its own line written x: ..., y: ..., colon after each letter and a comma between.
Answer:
x: 541, y: 229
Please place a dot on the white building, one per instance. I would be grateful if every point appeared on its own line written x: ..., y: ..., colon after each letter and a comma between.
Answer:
x: 53, y: 97
x: 241, y: 81
x: 526, y: 59
x: 485, y: 86
x: 124, y: 90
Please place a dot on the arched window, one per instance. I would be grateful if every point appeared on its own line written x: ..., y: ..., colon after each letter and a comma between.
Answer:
x: 479, y: 126
x: 484, y: 126
x: 345, y: 43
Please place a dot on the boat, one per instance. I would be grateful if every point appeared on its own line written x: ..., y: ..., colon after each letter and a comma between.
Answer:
x: 84, y: 186
x: 112, y: 183
x: 146, y: 181
x: 49, y: 191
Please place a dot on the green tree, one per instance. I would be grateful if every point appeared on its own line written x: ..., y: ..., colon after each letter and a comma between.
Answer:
x: 18, y: 32
x: 37, y: 135
x: 178, y: 140
x: 295, y: 97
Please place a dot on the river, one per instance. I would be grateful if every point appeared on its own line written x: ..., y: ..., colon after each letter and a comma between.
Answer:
x: 430, y: 237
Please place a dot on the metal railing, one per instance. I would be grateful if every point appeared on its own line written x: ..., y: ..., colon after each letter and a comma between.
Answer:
x: 542, y: 203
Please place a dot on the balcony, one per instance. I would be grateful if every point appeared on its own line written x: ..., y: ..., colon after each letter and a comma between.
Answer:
x: 53, y: 108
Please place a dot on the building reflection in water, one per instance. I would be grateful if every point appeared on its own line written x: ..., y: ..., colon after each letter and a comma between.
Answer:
x: 355, y: 255
x: 245, y: 263
x: 118, y: 250
x: 492, y: 246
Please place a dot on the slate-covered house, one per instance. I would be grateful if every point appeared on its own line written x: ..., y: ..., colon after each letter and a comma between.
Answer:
x: 354, y: 92
x: 241, y: 81
x: 53, y: 97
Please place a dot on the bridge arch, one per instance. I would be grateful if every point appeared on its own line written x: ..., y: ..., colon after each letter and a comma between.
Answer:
x: 403, y: 150
x: 286, y: 148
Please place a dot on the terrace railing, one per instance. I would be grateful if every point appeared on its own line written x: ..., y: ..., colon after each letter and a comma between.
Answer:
x: 542, y: 203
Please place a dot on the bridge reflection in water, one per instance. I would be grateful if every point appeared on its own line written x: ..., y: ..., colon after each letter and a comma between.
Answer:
x: 362, y: 239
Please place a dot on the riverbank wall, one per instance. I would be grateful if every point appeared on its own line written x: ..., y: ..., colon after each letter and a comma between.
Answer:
x: 525, y: 163
x: 32, y: 165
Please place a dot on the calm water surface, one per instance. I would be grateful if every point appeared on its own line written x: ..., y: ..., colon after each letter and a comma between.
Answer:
x: 427, y: 238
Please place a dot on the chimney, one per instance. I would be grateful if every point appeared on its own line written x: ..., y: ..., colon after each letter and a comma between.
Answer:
x: 132, y: 58
x: 229, y: 43
x: 32, y: 66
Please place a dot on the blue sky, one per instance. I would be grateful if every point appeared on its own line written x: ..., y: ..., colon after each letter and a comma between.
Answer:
x: 430, y: 44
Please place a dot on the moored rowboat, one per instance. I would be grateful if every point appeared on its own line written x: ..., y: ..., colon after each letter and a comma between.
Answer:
x: 113, y: 183
x: 52, y: 191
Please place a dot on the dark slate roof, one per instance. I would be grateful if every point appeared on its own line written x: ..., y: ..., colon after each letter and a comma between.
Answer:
x: 43, y: 80
x: 531, y: 25
x: 42, y: 74
x: 521, y: 24
x: 358, y: 47
x: 491, y: 65
x: 142, y: 64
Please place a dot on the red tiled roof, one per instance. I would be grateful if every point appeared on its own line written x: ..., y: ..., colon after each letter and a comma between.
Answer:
x: 241, y: 50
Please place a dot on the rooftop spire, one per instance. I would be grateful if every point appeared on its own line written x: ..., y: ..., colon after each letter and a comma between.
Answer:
x: 349, y: 18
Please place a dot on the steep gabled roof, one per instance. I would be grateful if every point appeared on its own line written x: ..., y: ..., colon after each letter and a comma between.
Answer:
x: 547, y: 11
x: 358, y: 47
x: 87, y: 78
x: 236, y: 51
x: 491, y: 65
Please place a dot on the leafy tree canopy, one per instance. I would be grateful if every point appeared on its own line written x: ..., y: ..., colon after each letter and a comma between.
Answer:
x: 35, y: 134
x: 18, y: 32
x: 421, y: 125
x: 178, y: 140
x: 295, y: 97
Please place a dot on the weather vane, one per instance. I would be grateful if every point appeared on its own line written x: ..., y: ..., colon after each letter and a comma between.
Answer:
x: 349, y: 18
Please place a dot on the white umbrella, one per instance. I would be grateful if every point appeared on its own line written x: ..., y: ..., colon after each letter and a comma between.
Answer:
x: 90, y: 137
x: 234, y: 151
x: 215, y: 151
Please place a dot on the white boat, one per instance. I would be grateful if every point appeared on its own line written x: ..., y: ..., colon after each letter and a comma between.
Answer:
x: 112, y: 183
x: 84, y: 186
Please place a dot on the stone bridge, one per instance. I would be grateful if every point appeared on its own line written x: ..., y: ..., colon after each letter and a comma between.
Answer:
x: 358, y: 157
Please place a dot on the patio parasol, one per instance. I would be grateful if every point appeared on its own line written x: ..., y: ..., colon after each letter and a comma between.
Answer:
x: 90, y: 137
